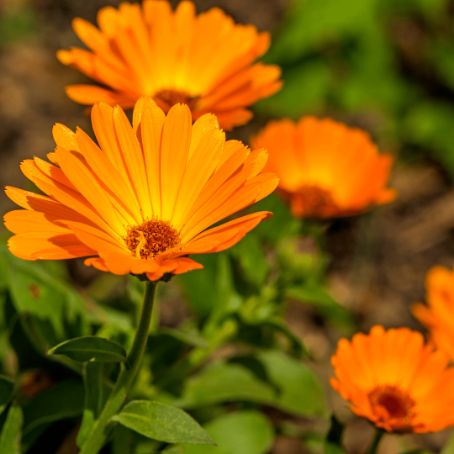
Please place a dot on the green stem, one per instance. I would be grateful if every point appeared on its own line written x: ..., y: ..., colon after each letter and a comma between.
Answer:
x: 98, y: 435
x: 375, y: 441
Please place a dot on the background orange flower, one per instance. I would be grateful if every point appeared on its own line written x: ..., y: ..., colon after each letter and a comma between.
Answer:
x: 393, y: 379
x: 438, y: 315
x: 141, y: 199
x: 326, y: 169
x: 205, y: 61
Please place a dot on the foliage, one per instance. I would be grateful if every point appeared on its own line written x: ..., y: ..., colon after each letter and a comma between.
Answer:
x: 384, y: 65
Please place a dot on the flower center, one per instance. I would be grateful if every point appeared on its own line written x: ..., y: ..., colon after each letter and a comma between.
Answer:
x: 312, y: 201
x: 165, y: 99
x: 151, y: 238
x: 392, y: 406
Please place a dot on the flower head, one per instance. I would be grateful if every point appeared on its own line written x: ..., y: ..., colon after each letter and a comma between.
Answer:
x: 325, y: 168
x: 205, y: 60
x: 395, y: 380
x: 142, y: 198
x: 438, y: 316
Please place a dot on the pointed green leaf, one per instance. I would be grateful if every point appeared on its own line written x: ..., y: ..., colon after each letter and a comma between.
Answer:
x: 90, y: 348
x: 162, y: 422
x: 11, y: 432
x: 243, y: 432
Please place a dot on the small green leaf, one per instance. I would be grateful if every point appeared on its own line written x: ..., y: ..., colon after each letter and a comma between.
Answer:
x: 245, y: 432
x: 299, y: 390
x: 6, y: 391
x: 90, y: 348
x: 11, y: 432
x: 162, y: 422
x: 316, y: 296
x: 222, y: 382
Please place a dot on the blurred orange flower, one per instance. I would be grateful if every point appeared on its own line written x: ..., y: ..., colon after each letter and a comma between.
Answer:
x: 438, y: 316
x: 144, y: 198
x: 395, y: 380
x: 326, y: 169
x: 205, y: 61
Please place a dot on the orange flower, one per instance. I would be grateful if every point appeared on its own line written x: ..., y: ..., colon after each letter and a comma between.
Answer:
x: 438, y: 316
x: 144, y: 198
x: 325, y: 168
x: 205, y: 61
x: 395, y: 380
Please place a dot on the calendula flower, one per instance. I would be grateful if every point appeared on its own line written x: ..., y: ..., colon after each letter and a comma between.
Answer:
x: 395, y: 380
x: 326, y: 169
x: 205, y: 61
x: 438, y: 316
x: 142, y: 198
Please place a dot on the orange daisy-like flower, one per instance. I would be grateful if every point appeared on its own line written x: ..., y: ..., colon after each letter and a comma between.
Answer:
x: 143, y: 198
x: 438, y: 316
x: 205, y: 61
x: 326, y: 169
x: 395, y: 380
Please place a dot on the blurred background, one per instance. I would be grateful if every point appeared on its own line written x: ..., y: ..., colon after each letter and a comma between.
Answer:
x: 384, y: 65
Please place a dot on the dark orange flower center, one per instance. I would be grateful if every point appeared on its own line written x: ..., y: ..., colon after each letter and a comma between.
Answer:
x: 392, y: 407
x: 165, y: 99
x: 151, y: 238
x: 312, y: 201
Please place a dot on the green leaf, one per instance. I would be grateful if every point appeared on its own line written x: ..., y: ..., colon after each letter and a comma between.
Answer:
x: 6, y: 391
x: 64, y: 400
x: 11, y: 432
x: 96, y: 392
x: 251, y: 257
x: 162, y: 422
x: 312, y: 23
x: 90, y: 348
x: 281, y: 224
x: 245, y: 432
x: 425, y: 126
x: 50, y: 309
x: 222, y: 382
x: 322, y: 301
x: 305, y: 90
x: 192, y: 338
x: 299, y: 390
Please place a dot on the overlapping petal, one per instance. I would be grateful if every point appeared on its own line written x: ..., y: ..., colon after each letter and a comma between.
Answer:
x: 393, y: 378
x: 205, y: 60
x: 437, y: 315
x: 326, y: 169
x: 160, y: 172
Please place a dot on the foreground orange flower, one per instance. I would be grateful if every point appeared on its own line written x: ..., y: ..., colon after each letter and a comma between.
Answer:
x: 205, y: 61
x: 395, y: 380
x: 142, y: 199
x: 325, y: 168
x: 438, y: 316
